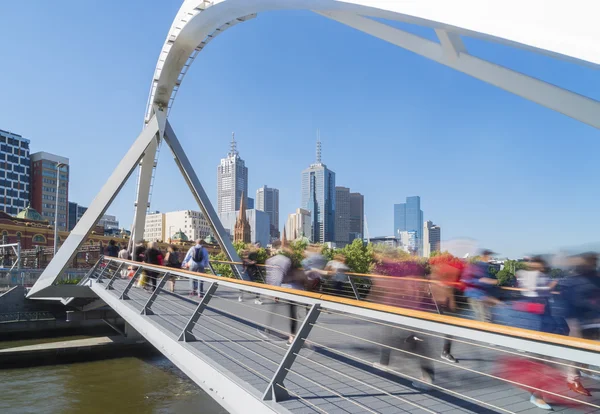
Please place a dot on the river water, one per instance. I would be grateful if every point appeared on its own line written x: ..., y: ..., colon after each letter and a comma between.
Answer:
x: 125, y: 385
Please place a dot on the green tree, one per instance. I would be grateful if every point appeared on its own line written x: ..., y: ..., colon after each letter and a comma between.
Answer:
x: 359, y: 257
x: 493, y: 270
x: 328, y: 252
x: 505, y: 278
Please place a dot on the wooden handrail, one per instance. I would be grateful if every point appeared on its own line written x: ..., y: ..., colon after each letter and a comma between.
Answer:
x: 555, y: 339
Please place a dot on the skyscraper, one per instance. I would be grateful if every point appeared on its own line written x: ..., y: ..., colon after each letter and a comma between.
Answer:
x: 409, y: 217
x: 232, y: 180
x: 318, y: 197
x: 431, y: 238
x: 14, y: 172
x: 357, y: 216
x: 44, y: 197
x: 267, y: 200
x: 342, y: 216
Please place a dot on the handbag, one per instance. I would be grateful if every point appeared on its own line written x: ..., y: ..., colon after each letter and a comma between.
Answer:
x: 530, y: 307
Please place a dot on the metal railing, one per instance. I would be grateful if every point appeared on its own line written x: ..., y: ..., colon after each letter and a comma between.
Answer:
x: 26, y: 316
x: 28, y: 277
x: 335, y: 344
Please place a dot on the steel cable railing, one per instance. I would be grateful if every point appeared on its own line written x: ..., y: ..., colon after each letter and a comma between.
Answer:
x: 249, y: 339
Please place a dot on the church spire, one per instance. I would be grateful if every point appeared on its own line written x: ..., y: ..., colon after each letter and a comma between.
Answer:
x: 242, y: 231
x: 233, y: 149
x: 318, y: 146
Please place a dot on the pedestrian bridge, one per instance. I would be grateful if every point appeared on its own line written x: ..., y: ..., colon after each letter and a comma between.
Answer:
x: 237, y: 351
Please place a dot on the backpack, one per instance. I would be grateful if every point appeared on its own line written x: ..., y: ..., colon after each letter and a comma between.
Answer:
x: 198, y: 255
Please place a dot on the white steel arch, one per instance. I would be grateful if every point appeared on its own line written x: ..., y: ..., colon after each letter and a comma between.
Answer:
x: 551, y: 27
x: 565, y: 30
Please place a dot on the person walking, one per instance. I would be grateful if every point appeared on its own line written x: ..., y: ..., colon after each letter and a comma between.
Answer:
x: 581, y: 293
x: 250, y: 268
x: 480, y: 284
x: 196, y: 260
x: 124, y: 255
x: 172, y: 260
x: 153, y: 256
x: 338, y: 268
x: 112, y: 250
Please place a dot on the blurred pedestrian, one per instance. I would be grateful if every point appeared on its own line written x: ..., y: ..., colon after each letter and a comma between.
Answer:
x: 196, y: 260
x: 480, y: 287
x: 338, y: 268
x: 112, y: 250
x: 250, y: 268
x: 172, y: 260
x: 581, y: 293
x: 153, y: 256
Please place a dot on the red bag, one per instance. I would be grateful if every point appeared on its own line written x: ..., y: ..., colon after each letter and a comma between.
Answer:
x: 530, y: 307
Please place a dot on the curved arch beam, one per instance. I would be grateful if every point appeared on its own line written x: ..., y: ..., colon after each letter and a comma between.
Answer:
x: 546, y: 26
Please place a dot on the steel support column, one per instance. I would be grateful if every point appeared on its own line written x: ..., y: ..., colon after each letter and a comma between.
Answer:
x: 186, y: 334
x: 276, y: 391
x: 99, y: 205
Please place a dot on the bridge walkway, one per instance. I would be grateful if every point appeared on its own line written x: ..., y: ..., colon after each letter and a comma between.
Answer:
x: 334, y: 369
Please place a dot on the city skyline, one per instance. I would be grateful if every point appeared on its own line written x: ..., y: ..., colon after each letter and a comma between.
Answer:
x: 485, y: 152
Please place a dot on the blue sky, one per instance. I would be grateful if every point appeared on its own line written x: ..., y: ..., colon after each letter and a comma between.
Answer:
x: 488, y: 165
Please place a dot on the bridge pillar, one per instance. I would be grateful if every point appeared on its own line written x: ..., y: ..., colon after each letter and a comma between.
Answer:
x: 132, y: 334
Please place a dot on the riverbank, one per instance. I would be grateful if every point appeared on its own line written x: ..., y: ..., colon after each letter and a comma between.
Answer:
x: 77, y: 350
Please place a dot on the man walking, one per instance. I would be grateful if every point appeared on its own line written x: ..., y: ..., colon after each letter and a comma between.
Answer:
x: 196, y: 260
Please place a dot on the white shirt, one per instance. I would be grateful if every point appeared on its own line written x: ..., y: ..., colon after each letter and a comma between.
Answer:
x: 534, y: 283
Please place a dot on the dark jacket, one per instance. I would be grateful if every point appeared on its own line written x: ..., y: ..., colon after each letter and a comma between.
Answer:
x: 152, y: 256
x: 138, y: 253
x: 581, y: 295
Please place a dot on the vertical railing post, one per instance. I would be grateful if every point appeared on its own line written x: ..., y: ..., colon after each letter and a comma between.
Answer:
x: 124, y: 295
x: 186, y: 335
x: 99, y: 278
x: 112, y: 279
x: 275, y: 391
x: 356, y: 294
x: 147, y: 307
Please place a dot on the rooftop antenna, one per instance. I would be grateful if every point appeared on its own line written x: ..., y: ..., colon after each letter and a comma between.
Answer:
x: 318, y: 146
x: 233, y: 150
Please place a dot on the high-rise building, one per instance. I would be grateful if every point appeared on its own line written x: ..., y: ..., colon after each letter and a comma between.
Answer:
x: 14, y: 172
x: 109, y: 222
x: 76, y: 211
x: 409, y: 241
x: 298, y: 224
x: 342, y: 216
x: 250, y: 202
x: 232, y: 180
x: 357, y: 216
x: 43, y: 187
x: 409, y: 217
x: 318, y: 197
x: 431, y: 238
x: 267, y: 200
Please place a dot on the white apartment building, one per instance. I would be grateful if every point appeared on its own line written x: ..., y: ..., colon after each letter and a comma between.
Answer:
x: 191, y: 223
x: 298, y: 225
x: 154, y: 229
x: 162, y: 226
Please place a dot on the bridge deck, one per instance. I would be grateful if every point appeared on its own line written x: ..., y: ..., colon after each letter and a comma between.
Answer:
x: 336, y: 374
